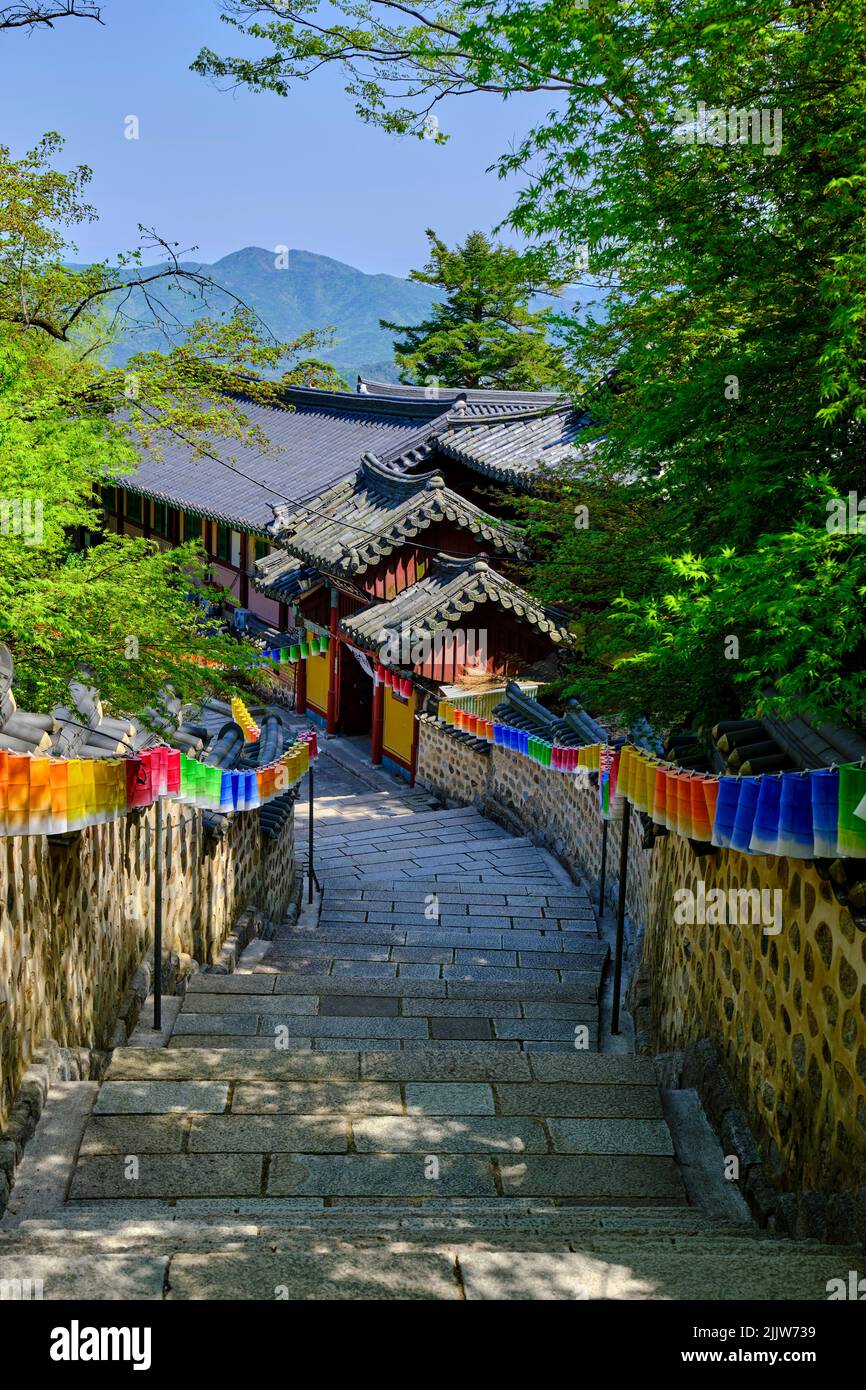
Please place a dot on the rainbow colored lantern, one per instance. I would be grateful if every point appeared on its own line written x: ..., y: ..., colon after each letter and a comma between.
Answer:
x: 727, y: 800
x: 660, y: 798
x: 744, y: 824
x: 852, y: 827
x: 796, y: 835
x: 702, y: 826
x: 765, y: 830
x: 824, y: 789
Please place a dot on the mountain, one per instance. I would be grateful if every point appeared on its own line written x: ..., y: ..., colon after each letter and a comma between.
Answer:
x: 309, y: 292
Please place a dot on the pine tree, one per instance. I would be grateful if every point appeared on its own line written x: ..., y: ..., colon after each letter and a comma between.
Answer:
x: 483, y: 333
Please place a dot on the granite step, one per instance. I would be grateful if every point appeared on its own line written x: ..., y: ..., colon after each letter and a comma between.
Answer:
x: 342, y: 1132
x: 487, y: 1065
x: 381, y: 933
x: 392, y: 1005
x: 376, y: 1018
x: 201, y: 1219
x: 363, y: 1175
x: 268, y: 980
x: 684, y: 1267
x: 545, y: 970
x: 459, y: 886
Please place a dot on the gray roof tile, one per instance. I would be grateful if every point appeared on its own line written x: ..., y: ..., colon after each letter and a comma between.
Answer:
x: 452, y: 588
x: 379, y: 510
x: 309, y: 447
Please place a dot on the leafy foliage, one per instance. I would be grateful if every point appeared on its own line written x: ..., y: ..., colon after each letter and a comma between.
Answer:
x: 119, y: 611
x: 728, y: 250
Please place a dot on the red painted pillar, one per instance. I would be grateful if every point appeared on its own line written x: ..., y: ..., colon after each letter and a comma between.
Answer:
x: 333, y: 668
x: 378, y: 722
x: 245, y: 579
x: 300, y: 687
x: 413, y: 759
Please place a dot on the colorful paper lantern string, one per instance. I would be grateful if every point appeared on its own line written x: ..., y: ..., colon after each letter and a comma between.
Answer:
x: 53, y: 796
x: 816, y: 814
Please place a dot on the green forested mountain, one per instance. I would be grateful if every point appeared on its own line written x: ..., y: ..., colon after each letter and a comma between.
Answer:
x: 310, y: 291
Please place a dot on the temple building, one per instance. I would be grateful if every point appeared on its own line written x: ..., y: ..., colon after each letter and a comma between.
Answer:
x: 378, y: 523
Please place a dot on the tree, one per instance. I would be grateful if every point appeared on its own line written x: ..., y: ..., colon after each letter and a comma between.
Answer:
x: 702, y: 165
x: 482, y: 334
x: 121, y: 609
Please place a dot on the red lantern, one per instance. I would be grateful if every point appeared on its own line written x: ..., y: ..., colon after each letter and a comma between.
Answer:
x: 406, y: 689
x: 139, y: 782
x: 159, y: 770
x: 173, y: 770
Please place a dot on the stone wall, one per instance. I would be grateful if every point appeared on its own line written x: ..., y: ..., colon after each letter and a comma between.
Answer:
x: 452, y: 769
x: 76, y: 920
x: 786, y: 1012
x: 561, y: 812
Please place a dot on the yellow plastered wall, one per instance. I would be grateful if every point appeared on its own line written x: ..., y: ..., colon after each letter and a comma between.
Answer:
x: 317, y: 682
x: 399, y: 726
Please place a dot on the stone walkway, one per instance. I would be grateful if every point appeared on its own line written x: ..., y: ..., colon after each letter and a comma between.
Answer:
x: 401, y: 1097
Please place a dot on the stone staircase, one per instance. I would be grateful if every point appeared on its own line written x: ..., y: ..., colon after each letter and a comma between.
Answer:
x: 403, y: 1098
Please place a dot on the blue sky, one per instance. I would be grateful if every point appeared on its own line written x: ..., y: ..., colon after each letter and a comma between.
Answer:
x: 224, y: 170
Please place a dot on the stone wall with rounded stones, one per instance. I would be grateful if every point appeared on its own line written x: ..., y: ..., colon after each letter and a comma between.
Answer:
x: 786, y: 1012
x: 561, y: 810
x: 450, y: 767
x: 76, y: 920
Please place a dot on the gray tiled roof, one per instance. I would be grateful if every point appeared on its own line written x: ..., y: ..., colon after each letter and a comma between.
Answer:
x: 771, y: 744
x: 284, y: 577
x: 512, y: 440
x: 516, y: 449
x: 380, y: 509
x: 452, y: 588
x: 309, y: 447
x: 322, y: 435
x: 475, y: 396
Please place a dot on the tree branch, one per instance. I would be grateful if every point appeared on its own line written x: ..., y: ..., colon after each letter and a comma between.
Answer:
x: 27, y: 16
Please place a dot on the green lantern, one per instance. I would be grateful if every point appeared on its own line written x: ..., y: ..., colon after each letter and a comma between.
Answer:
x: 187, y: 777
x: 294, y: 652
x: 305, y: 650
x: 213, y: 786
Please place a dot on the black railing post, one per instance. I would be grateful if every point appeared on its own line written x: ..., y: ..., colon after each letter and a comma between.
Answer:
x: 620, y: 917
x: 157, y: 924
x: 603, y: 874
x: 310, y: 848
